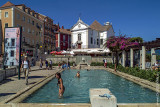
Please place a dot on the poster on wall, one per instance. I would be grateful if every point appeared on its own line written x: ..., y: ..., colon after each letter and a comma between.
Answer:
x: 12, y: 46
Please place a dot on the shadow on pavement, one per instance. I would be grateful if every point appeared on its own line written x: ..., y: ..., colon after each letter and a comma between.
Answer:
x: 31, y: 83
x: 5, y: 81
x: 30, y: 77
x: 5, y: 94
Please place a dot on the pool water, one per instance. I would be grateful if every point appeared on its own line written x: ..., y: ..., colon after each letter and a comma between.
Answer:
x: 77, y: 89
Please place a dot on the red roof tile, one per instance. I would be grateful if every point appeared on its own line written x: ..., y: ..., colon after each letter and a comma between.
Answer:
x: 65, y: 31
x: 8, y: 4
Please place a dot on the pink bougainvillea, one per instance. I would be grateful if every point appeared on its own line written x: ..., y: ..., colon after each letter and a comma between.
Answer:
x: 119, y: 43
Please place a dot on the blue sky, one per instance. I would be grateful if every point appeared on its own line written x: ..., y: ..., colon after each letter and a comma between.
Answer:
x: 131, y: 17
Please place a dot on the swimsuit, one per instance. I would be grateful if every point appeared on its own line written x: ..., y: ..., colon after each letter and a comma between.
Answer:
x: 59, y: 83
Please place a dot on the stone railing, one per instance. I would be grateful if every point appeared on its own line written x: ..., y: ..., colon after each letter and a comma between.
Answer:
x: 7, y: 73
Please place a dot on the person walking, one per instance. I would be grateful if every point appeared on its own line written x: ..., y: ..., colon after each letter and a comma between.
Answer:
x: 46, y: 64
x: 68, y: 64
x: 105, y: 63
x: 41, y: 64
x: 50, y: 64
x: 26, y: 67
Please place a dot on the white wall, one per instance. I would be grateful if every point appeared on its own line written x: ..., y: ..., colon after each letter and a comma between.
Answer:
x: 95, y: 35
x: 82, y: 26
x: 110, y: 32
x: 106, y: 34
x: 103, y: 35
x: 83, y: 37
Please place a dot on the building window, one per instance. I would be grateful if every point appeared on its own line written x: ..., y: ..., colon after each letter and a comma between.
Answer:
x: 79, y: 37
x: 6, y: 14
x: 12, y: 53
x: 91, y: 40
x: 24, y: 8
x: 28, y: 40
x: 12, y: 42
x: 23, y: 29
x: 29, y: 20
x: 29, y: 31
x: 40, y: 34
x: 6, y: 24
x: 97, y: 41
x: 32, y: 22
x: 64, y: 38
x: 32, y: 13
x: 28, y: 11
x: 23, y: 39
x: 101, y: 41
x: 18, y: 16
x: 33, y: 32
x: 24, y: 18
x: 11, y: 63
x: 91, y: 32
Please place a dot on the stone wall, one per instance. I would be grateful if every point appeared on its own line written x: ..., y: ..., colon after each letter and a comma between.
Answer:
x: 100, y: 59
x: 7, y: 73
x: 61, y: 59
x: 73, y: 59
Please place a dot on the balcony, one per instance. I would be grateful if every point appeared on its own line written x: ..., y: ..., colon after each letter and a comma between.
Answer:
x: 79, y: 42
x: 38, y: 27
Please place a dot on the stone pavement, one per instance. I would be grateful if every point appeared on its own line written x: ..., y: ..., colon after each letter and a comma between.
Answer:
x: 12, y: 85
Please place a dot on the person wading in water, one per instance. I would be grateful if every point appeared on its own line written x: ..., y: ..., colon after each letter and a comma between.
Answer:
x: 60, y: 84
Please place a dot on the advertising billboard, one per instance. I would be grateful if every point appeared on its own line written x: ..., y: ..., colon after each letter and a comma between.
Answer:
x: 12, y: 46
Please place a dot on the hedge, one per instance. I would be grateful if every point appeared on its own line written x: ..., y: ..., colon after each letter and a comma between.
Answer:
x: 97, y: 64
x: 136, y: 71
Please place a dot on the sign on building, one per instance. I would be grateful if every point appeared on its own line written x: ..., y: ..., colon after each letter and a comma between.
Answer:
x: 12, y: 46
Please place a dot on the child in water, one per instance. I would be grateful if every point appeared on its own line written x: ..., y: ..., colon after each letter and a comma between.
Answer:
x: 78, y: 74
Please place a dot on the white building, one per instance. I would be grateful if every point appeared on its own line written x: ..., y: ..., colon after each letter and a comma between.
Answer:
x: 84, y: 36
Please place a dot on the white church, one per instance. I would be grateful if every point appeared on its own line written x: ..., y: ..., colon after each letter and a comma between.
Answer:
x: 94, y: 36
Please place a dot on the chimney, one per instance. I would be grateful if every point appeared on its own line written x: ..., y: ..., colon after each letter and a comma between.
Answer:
x: 107, y: 23
x: 62, y: 27
x: 58, y: 27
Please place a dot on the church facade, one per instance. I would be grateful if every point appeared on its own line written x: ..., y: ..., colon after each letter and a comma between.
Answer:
x: 84, y: 36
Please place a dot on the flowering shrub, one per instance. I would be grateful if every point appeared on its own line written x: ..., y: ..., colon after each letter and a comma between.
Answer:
x: 118, y: 43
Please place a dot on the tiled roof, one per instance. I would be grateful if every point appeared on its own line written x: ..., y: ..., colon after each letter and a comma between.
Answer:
x: 65, y: 31
x: 107, y: 27
x: 8, y: 4
x: 97, y: 26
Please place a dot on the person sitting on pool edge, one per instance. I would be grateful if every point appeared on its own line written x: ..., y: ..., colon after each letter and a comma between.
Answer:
x: 78, y: 74
x: 60, y: 84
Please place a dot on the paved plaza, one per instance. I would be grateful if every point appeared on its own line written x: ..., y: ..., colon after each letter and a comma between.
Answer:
x: 12, y: 85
